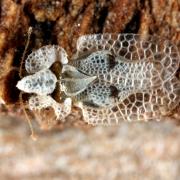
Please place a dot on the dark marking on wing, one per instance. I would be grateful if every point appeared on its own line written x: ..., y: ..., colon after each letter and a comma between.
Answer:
x: 114, y: 91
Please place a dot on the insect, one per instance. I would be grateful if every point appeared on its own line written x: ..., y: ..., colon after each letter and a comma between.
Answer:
x: 112, y: 77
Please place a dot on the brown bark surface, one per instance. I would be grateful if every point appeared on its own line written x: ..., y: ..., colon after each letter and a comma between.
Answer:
x: 62, y: 22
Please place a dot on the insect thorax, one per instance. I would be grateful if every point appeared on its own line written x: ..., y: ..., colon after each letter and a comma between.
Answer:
x: 73, y: 82
x: 81, y: 79
x: 102, y: 79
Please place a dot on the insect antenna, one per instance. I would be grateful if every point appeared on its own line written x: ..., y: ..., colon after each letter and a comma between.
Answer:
x: 24, y: 52
x: 33, y: 136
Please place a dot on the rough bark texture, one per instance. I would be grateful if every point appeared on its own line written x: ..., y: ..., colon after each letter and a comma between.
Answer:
x: 62, y: 22
x: 84, y: 153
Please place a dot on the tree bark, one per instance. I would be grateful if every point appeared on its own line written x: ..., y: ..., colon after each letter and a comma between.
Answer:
x: 62, y: 22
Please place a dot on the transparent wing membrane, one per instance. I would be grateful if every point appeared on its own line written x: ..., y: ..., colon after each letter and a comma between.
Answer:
x: 41, y: 102
x: 142, y: 106
x: 133, y: 47
x: 142, y: 71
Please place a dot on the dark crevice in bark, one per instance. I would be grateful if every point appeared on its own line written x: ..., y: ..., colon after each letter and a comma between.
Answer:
x: 11, y: 92
x: 47, y: 29
x: 150, y: 6
x: 18, y: 1
x: 134, y: 24
x: 41, y: 29
x: 66, y: 7
x: 100, y: 22
x: 18, y: 56
x: 0, y: 9
x: 151, y: 31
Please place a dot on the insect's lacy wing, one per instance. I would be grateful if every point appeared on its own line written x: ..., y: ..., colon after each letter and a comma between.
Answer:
x: 143, y: 106
x: 133, y: 47
x: 44, y: 57
x: 61, y: 110
x: 47, y: 111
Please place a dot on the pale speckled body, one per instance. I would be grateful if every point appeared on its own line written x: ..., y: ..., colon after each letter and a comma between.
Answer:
x: 113, y: 77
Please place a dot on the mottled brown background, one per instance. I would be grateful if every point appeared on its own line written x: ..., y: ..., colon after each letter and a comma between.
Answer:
x: 74, y: 150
